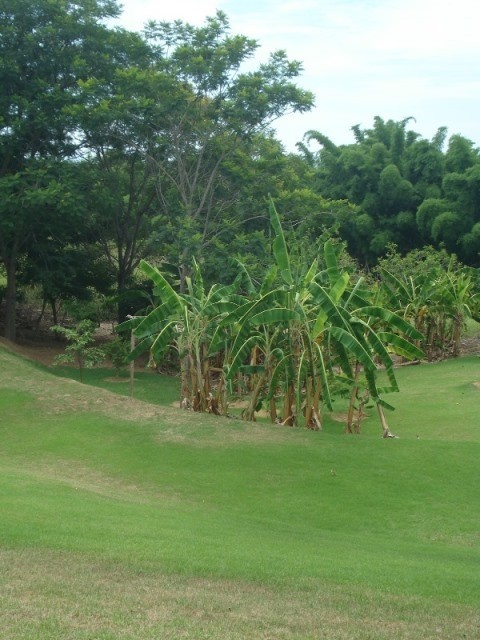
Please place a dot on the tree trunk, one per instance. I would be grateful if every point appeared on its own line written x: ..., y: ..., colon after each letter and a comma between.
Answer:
x: 40, y: 317
x: 353, y: 399
x: 386, y: 431
x: 288, y: 417
x: 249, y: 413
x: 53, y: 307
x: 11, y: 298
x: 123, y: 307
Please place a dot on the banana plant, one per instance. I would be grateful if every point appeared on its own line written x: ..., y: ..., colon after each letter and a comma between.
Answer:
x: 275, y: 325
x: 313, y: 324
x: 436, y: 300
x: 360, y: 337
x: 188, y: 323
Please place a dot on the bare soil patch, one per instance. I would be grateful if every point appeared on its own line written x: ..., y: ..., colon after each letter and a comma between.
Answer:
x: 39, y: 351
x: 470, y: 346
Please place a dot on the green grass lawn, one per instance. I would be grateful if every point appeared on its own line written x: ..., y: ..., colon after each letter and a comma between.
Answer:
x: 147, y: 386
x: 122, y: 519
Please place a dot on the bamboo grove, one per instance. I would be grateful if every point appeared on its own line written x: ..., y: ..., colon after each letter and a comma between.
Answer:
x: 285, y: 344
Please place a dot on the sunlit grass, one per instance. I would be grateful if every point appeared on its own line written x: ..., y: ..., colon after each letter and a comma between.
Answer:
x: 147, y: 385
x: 185, y: 526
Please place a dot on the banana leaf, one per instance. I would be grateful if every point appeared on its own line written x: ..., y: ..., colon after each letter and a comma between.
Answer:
x: 280, y: 250
x: 276, y: 377
x: 143, y: 346
x: 331, y: 261
x: 163, y: 339
x: 154, y: 322
x: 240, y: 354
x: 335, y: 314
x: 384, y: 404
x: 400, y: 346
x: 129, y: 325
x: 268, y: 280
x: 353, y: 346
x: 338, y: 288
x: 391, y: 319
x: 162, y: 288
x: 311, y: 273
x: 381, y: 352
x: 274, y: 316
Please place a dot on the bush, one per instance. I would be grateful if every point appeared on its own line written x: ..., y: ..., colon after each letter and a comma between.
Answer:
x: 117, y: 352
x: 80, y: 349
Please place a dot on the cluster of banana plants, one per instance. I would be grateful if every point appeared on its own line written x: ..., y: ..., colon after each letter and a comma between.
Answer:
x: 436, y: 299
x: 191, y: 324
x: 286, y: 342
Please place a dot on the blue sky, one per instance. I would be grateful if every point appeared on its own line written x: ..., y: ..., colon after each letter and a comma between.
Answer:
x: 361, y: 58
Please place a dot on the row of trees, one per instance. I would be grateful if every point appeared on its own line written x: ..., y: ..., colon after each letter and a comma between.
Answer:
x: 117, y: 147
x: 408, y: 190
x: 122, y: 144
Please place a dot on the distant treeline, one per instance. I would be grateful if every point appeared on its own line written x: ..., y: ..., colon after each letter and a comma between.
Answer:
x: 117, y: 146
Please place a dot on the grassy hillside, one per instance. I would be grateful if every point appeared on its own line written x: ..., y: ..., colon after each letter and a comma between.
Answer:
x: 123, y: 519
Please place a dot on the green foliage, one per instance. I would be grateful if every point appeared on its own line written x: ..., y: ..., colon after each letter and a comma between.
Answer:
x: 390, y: 171
x: 47, y: 49
x: 118, y: 147
x: 225, y: 109
x: 121, y: 117
x: 80, y: 349
x: 117, y: 351
x: 91, y: 306
x: 434, y: 292
x: 294, y: 333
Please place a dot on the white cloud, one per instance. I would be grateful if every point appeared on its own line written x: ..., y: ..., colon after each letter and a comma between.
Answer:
x: 430, y: 28
x: 362, y: 58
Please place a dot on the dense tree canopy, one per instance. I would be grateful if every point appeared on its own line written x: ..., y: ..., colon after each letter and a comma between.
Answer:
x: 409, y: 191
x: 48, y: 48
x: 117, y: 147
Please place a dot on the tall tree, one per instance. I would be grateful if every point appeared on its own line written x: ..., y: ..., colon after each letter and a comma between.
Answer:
x: 47, y: 48
x: 408, y: 190
x: 226, y: 107
x: 122, y: 118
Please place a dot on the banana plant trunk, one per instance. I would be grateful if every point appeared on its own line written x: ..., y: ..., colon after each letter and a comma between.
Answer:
x: 288, y: 417
x: 316, y: 416
x: 249, y: 413
x: 349, y: 427
x: 386, y: 431
x: 273, y: 409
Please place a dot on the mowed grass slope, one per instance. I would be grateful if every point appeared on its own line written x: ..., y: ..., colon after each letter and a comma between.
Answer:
x: 122, y: 519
